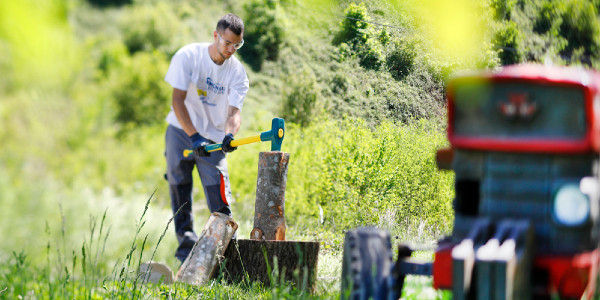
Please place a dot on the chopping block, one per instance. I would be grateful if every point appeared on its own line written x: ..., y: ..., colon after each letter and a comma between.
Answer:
x: 271, y: 262
x: 267, y: 257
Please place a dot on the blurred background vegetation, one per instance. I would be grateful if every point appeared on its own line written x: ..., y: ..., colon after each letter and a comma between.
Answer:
x: 360, y: 85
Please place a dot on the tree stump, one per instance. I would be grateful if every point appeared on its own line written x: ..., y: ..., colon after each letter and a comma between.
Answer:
x: 202, y: 260
x: 269, y: 219
x: 271, y: 262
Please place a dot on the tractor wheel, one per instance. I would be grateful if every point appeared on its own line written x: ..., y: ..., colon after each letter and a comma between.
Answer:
x: 366, y: 265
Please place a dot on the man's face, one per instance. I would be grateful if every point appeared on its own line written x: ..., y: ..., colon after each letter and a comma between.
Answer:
x: 228, y: 42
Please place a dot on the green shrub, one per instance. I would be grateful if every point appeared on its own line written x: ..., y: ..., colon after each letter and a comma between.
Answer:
x: 343, y: 52
x: 430, y: 85
x: 340, y: 83
x: 547, y: 15
x: 353, y: 28
x: 506, y: 40
x: 139, y: 91
x: 401, y: 59
x: 371, y: 55
x: 111, y: 57
x: 148, y: 28
x: 487, y: 59
x: 300, y: 97
x: 503, y: 8
x: 581, y: 28
x: 360, y: 176
x: 263, y: 32
x: 355, y: 37
x: 384, y: 37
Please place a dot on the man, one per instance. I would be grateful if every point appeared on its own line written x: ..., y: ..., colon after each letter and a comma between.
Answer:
x: 209, y: 88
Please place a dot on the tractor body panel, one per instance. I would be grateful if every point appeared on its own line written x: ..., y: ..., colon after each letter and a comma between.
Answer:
x: 524, y: 140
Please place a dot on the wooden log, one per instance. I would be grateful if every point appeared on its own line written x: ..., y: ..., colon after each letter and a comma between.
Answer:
x: 204, y: 257
x: 269, y: 219
x: 271, y: 262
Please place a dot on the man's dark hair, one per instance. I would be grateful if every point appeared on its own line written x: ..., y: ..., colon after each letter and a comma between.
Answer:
x: 231, y: 22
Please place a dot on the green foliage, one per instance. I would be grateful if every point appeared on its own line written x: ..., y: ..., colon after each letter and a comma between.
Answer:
x: 384, y: 37
x: 111, y: 57
x: 506, y: 40
x: 300, y: 98
x: 401, y: 60
x: 561, y: 31
x: 581, y: 28
x: 488, y: 60
x: 371, y: 55
x: 360, y: 176
x: 356, y: 34
x: 354, y: 28
x: 502, y: 9
x: 138, y: 90
x: 106, y: 3
x: 264, y: 32
x: 548, y: 15
x: 148, y: 28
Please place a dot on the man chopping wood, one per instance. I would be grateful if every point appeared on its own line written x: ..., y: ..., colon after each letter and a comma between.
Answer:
x: 209, y: 88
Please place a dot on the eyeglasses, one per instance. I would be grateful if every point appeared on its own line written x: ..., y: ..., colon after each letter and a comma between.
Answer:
x: 228, y: 43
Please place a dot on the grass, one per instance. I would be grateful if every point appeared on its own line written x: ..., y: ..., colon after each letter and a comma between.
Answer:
x: 89, y: 271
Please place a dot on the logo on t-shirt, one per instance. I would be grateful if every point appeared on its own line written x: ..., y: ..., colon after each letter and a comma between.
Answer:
x: 204, y: 98
x: 215, y: 87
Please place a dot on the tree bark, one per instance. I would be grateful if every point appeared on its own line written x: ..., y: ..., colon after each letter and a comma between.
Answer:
x: 271, y: 262
x: 202, y: 260
x: 269, y: 219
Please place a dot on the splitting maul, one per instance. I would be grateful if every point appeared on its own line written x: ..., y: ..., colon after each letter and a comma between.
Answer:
x: 275, y: 136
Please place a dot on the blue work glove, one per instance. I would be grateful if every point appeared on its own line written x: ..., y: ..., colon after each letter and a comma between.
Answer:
x: 198, y: 143
x: 226, y: 144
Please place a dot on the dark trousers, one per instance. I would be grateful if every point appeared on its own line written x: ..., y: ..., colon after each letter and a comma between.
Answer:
x: 215, y: 182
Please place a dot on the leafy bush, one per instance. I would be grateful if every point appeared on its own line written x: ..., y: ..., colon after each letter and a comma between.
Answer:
x: 581, y: 28
x: 384, y: 37
x: 360, y: 176
x: 563, y: 31
x: 356, y: 34
x: 139, y: 91
x: 506, y: 41
x: 548, y: 15
x: 401, y: 59
x: 300, y: 97
x: 263, y: 32
x: 111, y: 57
x: 487, y: 59
x: 354, y: 30
x: 149, y: 28
x: 502, y: 8
x: 371, y: 55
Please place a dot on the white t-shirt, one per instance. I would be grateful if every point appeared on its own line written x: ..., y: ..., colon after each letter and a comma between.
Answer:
x: 211, y: 88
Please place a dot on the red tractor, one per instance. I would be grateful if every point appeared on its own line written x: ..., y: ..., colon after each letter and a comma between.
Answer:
x: 525, y: 145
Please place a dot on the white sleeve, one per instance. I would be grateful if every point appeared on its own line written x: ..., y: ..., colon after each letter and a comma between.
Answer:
x: 179, y: 74
x: 239, y: 88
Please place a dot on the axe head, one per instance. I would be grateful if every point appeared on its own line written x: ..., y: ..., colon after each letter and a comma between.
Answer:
x: 275, y: 135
